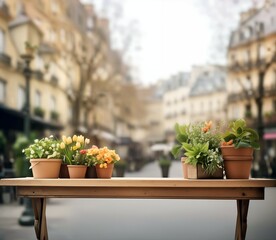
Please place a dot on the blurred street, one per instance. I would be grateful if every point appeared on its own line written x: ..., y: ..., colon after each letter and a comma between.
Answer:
x: 104, y: 219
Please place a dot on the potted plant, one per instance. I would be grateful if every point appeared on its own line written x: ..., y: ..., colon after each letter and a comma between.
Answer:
x: 201, y: 149
x: 237, y: 149
x: 104, y: 160
x: 165, y: 164
x: 39, y: 112
x: 45, y: 158
x: 73, y: 156
x: 120, y: 168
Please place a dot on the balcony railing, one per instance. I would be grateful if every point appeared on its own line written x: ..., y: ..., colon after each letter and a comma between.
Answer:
x: 6, y: 59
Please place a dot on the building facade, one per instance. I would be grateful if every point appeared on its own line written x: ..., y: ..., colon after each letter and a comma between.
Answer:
x: 251, y: 80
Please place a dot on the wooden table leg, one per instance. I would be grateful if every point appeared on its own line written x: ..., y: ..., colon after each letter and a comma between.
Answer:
x: 40, y: 225
x: 241, y: 224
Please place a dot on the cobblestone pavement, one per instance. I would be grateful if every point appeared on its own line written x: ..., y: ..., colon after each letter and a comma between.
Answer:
x: 112, y: 219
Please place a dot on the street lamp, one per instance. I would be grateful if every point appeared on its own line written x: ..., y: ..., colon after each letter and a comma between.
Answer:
x: 24, y: 31
x: 27, y: 217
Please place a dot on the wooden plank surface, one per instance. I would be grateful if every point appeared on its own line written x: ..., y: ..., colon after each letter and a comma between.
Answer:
x: 141, y: 192
x: 140, y: 182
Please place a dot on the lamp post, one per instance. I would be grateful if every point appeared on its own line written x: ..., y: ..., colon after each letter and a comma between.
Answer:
x: 27, y: 217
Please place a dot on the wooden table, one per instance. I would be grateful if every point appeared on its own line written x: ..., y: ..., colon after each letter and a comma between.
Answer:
x: 146, y: 188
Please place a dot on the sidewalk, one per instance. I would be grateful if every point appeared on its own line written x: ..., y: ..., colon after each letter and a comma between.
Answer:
x: 130, y: 219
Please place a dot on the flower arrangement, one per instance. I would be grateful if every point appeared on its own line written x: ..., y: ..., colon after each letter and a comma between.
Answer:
x: 43, y: 148
x: 102, y: 156
x: 71, y: 149
x: 201, y: 145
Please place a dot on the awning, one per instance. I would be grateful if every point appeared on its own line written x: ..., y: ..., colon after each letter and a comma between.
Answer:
x: 271, y: 135
x: 104, y: 135
x: 12, y: 119
x: 160, y: 147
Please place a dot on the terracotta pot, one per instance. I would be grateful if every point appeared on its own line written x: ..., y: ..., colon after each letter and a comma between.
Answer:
x: 105, y: 172
x: 77, y: 171
x: 237, y: 162
x: 91, y: 172
x: 64, y: 171
x: 232, y: 151
x: 184, y: 167
x: 45, y: 168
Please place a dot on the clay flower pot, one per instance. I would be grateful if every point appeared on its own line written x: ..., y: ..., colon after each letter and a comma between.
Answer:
x: 77, y: 171
x: 45, y: 168
x: 237, y: 162
x: 105, y: 172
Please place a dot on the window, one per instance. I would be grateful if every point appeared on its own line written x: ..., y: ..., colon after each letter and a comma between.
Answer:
x: 37, y: 98
x: 89, y: 23
x: 53, y: 104
x: 2, y: 91
x: 210, y: 106
x: 247, y: 32
x: 236, y: 112
x: 54, y: 6
x: 2, y: 41
x: 21, y: 98
x: 2, y: 2
x: 39, y: 63
x: 262, y: 51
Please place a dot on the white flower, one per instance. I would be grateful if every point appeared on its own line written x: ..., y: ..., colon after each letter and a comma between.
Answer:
x: 36, y: 141
x: 23, y: 150
x: 32, y: 152
x: 51, y: 136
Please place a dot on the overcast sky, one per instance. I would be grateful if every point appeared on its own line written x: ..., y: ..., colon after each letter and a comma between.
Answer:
x: 174, y: 35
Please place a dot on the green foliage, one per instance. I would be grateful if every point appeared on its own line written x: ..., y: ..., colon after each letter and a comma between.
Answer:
x: 201, y: 145
x: 39, y: 112
x: 54, y: 115
x: 3, y: 142
x: 241, y: 135
x: 43, y: 148
x: 164, y: 162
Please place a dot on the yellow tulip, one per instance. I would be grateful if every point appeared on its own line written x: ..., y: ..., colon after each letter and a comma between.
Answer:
x: 75, y: 138
x: 87, y: 141
x: 78, y: 145
x: 62, y: 145
x: 80, y: 139
x: 69, y: 140
x: 64, y: 139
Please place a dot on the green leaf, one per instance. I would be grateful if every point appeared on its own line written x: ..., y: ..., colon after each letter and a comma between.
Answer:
x: 176, y: 150
x: 239, y: 130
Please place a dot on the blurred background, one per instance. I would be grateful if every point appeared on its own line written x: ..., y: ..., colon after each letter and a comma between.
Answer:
x: 122, y: 73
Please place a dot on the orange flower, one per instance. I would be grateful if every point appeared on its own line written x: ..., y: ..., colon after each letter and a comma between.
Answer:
x: 207, y: 126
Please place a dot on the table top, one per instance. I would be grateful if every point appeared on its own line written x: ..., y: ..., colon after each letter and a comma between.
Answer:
x: 140, y: 182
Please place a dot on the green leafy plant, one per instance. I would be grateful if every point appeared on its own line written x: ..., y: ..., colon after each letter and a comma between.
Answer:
x: 43, y: 148
x: 39, y: 112
x: 200, y: 144
x: 241, y: 136
x: 163, y: 161
x: 3, y: 142
x: 54, y: 115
